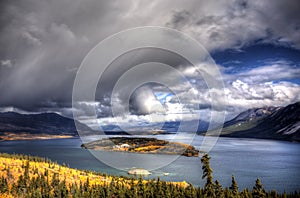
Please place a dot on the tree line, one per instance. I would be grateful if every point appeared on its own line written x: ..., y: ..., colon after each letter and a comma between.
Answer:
x: 52, y: 185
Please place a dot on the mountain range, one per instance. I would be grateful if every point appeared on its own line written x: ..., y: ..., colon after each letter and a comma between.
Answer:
x: 282, y: 123
x: 44, y: 123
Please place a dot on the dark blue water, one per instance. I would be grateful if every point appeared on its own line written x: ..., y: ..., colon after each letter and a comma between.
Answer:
x: 276, y: 163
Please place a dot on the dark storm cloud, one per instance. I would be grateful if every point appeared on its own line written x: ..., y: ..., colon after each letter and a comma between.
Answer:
x: 44, y: 41
x: 242, y: 23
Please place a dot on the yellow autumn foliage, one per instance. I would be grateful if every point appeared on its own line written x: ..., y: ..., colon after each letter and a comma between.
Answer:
x: 12, y: 168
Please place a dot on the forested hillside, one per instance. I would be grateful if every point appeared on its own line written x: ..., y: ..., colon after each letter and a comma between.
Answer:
x: 25, y: 176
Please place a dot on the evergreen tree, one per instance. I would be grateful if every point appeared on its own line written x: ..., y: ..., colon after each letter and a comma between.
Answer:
x: 9, y: 175
x: 234, y: 187
x: 168, y: 193
x: 140, y: 187
x: 190, y: 192
x: 21, y: 185
x: 148, y: 189
x: 207, y: 173
x: 55, y: 180
x: 132, y: 190
x: 36, y: 193
x: 46, y: 188
x: 55, y: 185
x: 274, y: 193
x: 26, y: 171
x: 158, y: 189
x: 112, y: 187
x: 245, y: 193
x: 218, y: 189
x: 29, y: 184
x: 258, y: 190
x: 63, y: 189
x: 227, y: 192
x: 3, y: 185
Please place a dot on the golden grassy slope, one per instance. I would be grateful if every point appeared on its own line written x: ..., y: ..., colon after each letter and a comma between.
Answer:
x: 12, y: 167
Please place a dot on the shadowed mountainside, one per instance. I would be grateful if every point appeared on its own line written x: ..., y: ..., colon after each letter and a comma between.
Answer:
x: 281, y: 123
x: 46, y: 123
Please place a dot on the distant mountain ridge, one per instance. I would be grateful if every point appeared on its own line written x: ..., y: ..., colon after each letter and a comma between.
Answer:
x: 282, y: 123
x: 47, y: 123
x: 252, y: 114
x: 168, y: 127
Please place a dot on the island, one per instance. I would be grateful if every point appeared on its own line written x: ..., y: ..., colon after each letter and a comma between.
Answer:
x: 142, y: 145
x: 138, y: 171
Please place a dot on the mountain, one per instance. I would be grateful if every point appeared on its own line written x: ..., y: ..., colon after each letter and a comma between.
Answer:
x: 251, y: 115
x: 173, y: 126
x: 166, y: 127
x: 46, y: 123
x: 282, y: 123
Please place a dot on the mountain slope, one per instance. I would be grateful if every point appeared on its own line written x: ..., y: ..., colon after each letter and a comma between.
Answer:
x: 167, y: 127
x: 46, y: 123
x: 251, y: 115
x: 282, y: 124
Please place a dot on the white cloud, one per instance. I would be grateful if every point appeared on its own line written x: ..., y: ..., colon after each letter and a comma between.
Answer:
x: 244, y: 95
x: 62, y: 32
x: 264, y: 85
x: 31, y: 39
x: 17, y: 110
x: 271, y: 71
x: 145, y: 102
x: 6, y: 63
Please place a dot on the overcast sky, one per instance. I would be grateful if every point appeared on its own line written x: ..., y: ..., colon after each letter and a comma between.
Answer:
x: 256, y: 45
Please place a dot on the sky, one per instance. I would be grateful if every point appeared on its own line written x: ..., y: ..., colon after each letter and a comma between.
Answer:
x: 255, y: 44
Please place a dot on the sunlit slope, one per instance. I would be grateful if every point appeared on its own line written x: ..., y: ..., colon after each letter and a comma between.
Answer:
x: 24, y: 172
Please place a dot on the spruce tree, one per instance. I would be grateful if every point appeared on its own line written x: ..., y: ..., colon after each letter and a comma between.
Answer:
x: 63, y: 189
x: 132, y: 191
x: 140, y: 187
x: 207, y: 173
x: 55, y: 185
x: 158, y: 189
x: 112, y: 187
x: 3, y: 185
x: 218, y: 189
x: 234, y: 187
x: 258, y: 190
x: 21, y: 185
x: 246, y: 193
x: 9, y: 175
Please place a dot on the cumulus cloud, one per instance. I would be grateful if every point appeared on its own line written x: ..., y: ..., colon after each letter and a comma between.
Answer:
x: 264, y: 85
x: 242, y: 94
x: 145, y: 102
x: 271, y: 71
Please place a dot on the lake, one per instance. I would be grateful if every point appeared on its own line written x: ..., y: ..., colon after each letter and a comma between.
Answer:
x: 276, y: 163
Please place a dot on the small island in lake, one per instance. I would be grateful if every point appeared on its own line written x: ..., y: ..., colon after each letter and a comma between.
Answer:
x: 138, y: 171
x: 142, y: 145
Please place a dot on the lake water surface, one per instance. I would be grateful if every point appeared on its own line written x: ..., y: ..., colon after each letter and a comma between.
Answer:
x: 276, y: 163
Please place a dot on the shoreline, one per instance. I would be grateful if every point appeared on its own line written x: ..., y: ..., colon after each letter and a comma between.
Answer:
x: 142, y: 145
x: 8, y: 136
